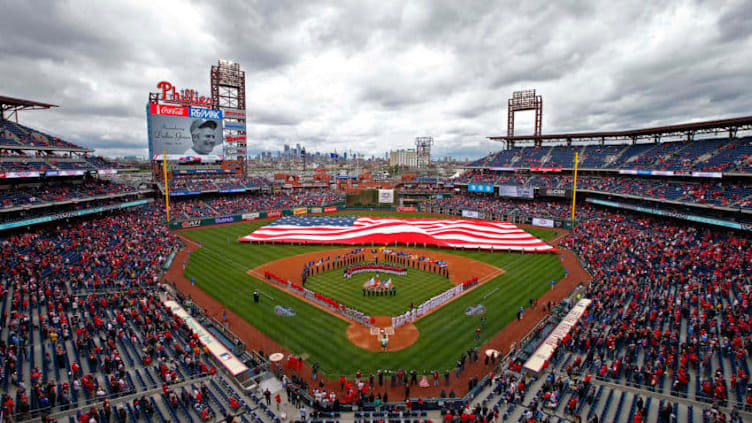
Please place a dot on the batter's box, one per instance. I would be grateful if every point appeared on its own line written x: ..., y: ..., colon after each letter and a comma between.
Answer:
x: 374, y: 331
x: 389, y: 330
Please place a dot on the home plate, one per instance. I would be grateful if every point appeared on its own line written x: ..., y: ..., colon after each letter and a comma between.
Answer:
x: 389, y: 330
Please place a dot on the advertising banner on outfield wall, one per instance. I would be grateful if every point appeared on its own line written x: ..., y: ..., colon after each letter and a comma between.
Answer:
x: 386, y: 196
x: 471, y: 214
x: 224, y: 219
x: 274, y: 213
x: 316, y: 210
x: 300, y: 211
x: 251, y: 216
x: 190, y: 223
x: 330, y: 209
x: 407, y: 209
x: 548, y: 223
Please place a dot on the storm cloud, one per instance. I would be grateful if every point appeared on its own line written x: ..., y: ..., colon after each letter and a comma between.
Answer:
x: 370, y: 76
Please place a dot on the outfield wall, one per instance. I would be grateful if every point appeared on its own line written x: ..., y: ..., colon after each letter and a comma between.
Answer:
x: 251, y: 216
x: 547, y: 222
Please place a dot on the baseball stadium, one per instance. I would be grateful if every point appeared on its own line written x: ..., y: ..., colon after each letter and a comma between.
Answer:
x: 591, y: 276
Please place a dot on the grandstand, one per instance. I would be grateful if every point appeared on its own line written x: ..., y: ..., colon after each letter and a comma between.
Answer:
x: 702, y: 155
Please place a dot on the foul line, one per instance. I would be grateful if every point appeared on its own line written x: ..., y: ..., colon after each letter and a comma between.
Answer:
x: 265, y: 294
x: 186, y: 239
x: 494, y: 290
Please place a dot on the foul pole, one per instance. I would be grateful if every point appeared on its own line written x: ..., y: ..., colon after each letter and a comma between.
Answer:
x: 167, y: 187
x: 574, y: 187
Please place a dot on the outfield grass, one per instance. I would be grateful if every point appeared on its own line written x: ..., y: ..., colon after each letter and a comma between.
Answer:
x: 415, y: 287
x: 219, y: 268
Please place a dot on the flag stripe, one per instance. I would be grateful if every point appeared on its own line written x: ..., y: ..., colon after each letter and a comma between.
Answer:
x: 352, y: 230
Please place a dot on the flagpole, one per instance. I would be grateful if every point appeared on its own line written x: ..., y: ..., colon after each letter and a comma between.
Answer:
x: 166, y: 187
x: 574, y: 189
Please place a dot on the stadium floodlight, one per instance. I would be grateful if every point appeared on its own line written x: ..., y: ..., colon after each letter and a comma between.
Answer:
x: 522, y: 101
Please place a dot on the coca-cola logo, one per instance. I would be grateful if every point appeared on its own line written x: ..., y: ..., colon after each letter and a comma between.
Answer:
x: 172, y: 111
x: 274, y: 213
x: 158, y: 109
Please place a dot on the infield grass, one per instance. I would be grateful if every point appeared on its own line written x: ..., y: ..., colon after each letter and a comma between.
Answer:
x: 415, y: 287
x: 220, y: 267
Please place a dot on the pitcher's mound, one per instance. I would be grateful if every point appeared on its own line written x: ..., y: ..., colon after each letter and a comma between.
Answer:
x: 403, y: 337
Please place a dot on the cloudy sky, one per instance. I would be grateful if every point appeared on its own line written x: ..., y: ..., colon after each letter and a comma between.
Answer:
x: 372, y: 75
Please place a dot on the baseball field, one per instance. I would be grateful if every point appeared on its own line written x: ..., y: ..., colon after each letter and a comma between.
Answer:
x: 220, y: 268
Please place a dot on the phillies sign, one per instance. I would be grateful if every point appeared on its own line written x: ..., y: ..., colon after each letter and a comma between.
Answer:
x: 188, y: 96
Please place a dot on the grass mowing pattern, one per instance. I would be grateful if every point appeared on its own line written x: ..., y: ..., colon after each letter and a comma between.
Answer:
x: 417, y: 286
x: 220, y: 269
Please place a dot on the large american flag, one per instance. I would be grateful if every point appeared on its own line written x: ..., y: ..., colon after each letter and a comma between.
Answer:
x: 354, y: 230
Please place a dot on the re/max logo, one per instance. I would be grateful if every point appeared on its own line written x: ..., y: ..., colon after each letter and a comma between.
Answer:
x: 205, y: 113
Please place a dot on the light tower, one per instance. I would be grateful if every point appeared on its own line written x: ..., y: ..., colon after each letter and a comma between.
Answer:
x: 521, y: 101
x: 423, y: 151
x: 228, y: 95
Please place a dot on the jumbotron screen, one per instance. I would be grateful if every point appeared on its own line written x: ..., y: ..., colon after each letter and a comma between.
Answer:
x: 184, y: 133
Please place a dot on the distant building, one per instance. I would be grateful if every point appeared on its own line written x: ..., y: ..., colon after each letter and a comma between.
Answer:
x: 407, y: 158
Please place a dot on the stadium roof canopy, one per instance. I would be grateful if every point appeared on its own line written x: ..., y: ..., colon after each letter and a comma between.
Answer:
x: 15, y: 104
x: 9, y: 107
x: 687, y: 130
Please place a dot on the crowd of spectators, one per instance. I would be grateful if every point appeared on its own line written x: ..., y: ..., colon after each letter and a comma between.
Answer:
x: 509, y: 207
x: 236, y: 204
x: 712, y: 155
x: 82, y: 323
x: 26, y: 163
x: 701, y: 192
x: 715, y: 193
x: 671, y: 308
x: 216, y: 184
x: 15, y: 134
x: 44, y: 192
